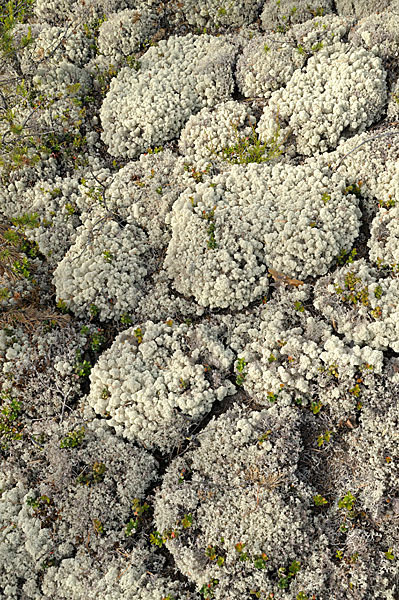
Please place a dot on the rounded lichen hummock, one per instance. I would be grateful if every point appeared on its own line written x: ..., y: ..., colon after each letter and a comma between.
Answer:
x: 340, y: 89
x: 232, y: 511
x: 105, y: 269
x: 294, y: 219
x: 159, y: 378
x: 176, y: 79
x: 362, y: 304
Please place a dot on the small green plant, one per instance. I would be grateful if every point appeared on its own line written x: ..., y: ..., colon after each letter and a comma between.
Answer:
x: 299, y: 306
x: 316, y: 47
x: 212, y: 553
x: 187, y: 521
x: 331, y: 370
x: 354, y: 189
x: 209, y: 216
x: 196, y: 175
x: 316, y: 407
x: 389, y: 554
x: 70, y: 208
x: 300, y: 49
x: 240, y: 366
x: 98, y: 526
x: 293, y: 569
x: 351, y: 292
x: 355, y: 390
x: 183, y: 384
x: 44, y: 510
x: 10, y: 425
x: 21, y: 267
x: 138, y: 510
x: 138, y: 334
x: 96, y: 475
x: 316, y: 12
x: 326, y: 197
x: 347, y: 502
x: 126, y: 319
x: 319, y: 500
x: 324, y: 437
x: 346, y: 256
x: 105, y: 393
x: 62, y: 306
x: 243, y: 556
x: 26, y: 221
x: 272, y: 396
x: 133, y: 63
x: 82, y: 367
x: 158, y: 539
x: 108, y: 257
x: 207, y: 590
x: 378, y: 292
x: 96, y: 338
x: 264, y: 437
x: 260, y: 561
x: 390, y: 203
x: 155, y: 150
x: 74, y: 439
x: 94, y: 310
x: 249, y: 149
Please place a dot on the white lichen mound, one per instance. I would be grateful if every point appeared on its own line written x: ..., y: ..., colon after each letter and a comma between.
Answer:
x: 284, y: 354
x: 369, y: 163
x: 316, y: 33
x: 48, y: 385
x: 284, y: 14
x: 211, y: 131
x: 384, y: 236
x: 54, y: 203
x: 225, y: 234
x: 49, y: 545
x: 122, y: 34
x: 362, y: 8
x: 211, y: 13
x: 216, y: 251
x: 266, y: 64
x: 281, y: 351
x: 377, y: 33
x: 24, y: 544
x: 339, y: 89
x: 158, y: 378
x: 56, y: 44
x: 238, y: 486
x: 54, y: 11
x: 362, y: 304
x: 393, y: 104
x: 373, y: 451
x: 177, y: 78
x: 105, y: 268
x: 146, y: 190
x: 63, y: 87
